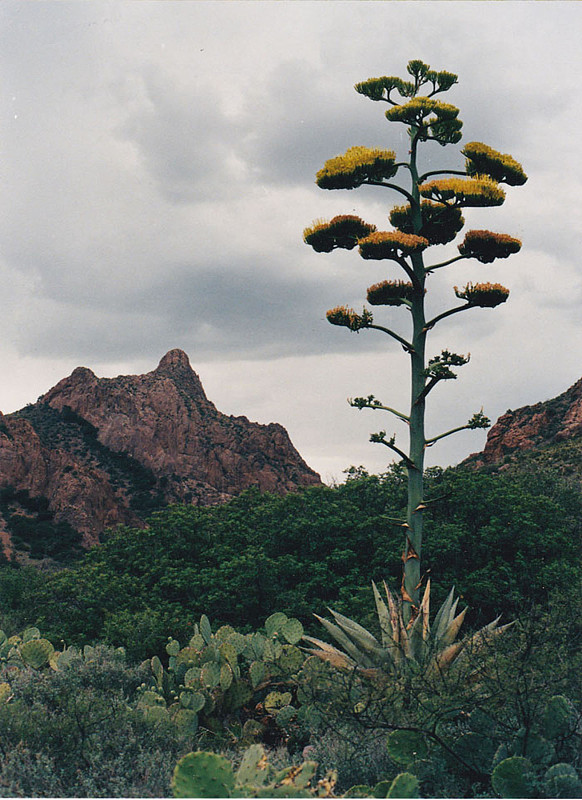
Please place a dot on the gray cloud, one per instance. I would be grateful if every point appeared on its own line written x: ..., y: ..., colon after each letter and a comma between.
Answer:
x: 159, y: 170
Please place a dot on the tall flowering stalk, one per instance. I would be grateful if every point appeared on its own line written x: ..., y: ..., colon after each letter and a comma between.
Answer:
x: 431, y: 215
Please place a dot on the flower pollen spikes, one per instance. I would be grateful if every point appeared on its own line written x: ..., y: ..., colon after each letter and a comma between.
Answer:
x: 483, y: 160
x: 390, y: 293
x: 444, y: 127
x: 486, y: 246
x: 380, y: 88
x: 347, y: 318
x: 476, y: 192
x: 391, y: 244
x: 341, y: 231
x: 355, y: 167
x: 440, y: 223
x: 485, y: 295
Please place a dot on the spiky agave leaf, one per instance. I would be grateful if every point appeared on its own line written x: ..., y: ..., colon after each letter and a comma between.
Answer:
x: 356, y: 653
x: 363, y: 640
x: 402, y: 647
x: 419, y: 631
x: 401, y: 635
x: 328, y: 652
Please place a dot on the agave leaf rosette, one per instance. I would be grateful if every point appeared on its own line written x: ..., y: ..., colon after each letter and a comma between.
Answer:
x: 418, y: 645
x: 342, y: 231
x: 486, y: 246
x: 356, y: 166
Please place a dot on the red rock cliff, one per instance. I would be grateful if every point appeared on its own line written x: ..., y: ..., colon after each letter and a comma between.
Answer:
x: 83, y: 443
x: 530, y: 427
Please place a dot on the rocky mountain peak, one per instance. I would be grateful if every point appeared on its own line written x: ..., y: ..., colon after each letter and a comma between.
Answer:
x: 103, y: 451
x: 175, y: 365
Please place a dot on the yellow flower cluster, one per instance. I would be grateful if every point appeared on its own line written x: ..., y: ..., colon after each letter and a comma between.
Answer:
x: 444, y: 126
x: 380, y: 88
x: 391, y: 244
x: 486, y: 246
x: 440, y: 224
x: 415, y: 111
x: 484, y: 295
x: 483, y: 160
x: 390, y: 293
x: 479, y: 191
x: 348, y: 318
x: 341, y: 231
x: 356, y: 166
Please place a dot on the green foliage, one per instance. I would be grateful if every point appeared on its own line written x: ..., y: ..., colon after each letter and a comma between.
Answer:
x: 416, y: 647
x: 486, y: 534
x: 203, y: 774
x: 224, y: 678
x: 74, y: 728
x: 33, y: 529
x: 513, y: 777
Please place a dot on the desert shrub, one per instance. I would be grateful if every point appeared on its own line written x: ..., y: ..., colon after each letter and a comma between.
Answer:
x: 515, y: 696
x: 77, y: 732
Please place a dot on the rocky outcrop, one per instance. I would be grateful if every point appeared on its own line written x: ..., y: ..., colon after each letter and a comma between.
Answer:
x: 550, y: 422
x: 105, y: 451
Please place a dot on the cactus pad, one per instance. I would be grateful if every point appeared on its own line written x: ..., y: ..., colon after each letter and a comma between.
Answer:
x: 513, y: 777
x: 257, y: 673
x: 203, y: 774
x: 238, y: 694
x: 562, y: 780
x: 210, y: 675
x: 36, y: 653
x: 30, y: 633
x: 404, y: 747
x: 274, y: 623
x: 404, y: 785
x: 559, y: 717
x: 205, y: 629
x: 292, y: 631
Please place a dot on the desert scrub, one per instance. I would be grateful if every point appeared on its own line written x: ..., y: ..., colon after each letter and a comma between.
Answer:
x: 76, y: 732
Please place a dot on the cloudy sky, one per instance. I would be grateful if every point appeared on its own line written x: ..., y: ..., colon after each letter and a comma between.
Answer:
x: 157, y: 171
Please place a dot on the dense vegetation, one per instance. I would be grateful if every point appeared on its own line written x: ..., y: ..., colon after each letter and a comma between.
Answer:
x: 76, y: 729
x: 508, y: 541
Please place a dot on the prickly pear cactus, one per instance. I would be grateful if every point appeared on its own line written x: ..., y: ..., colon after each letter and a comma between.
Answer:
x: 403, y: 785
x: 405, y: 747
x: 36, y: 652
x: 513, y: 777
x: 562, y: 780
x: 203, y: 774
x: 225, y: 674
x: 559, y: 718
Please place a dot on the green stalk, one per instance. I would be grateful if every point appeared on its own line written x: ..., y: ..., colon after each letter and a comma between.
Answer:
x: 413, y: 543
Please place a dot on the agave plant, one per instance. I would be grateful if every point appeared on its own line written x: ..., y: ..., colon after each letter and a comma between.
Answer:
x: 402, y: 646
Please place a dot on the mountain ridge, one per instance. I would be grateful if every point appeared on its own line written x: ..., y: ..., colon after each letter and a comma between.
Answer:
x: 108, y: 451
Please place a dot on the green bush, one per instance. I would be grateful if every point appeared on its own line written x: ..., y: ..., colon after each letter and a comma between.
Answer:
x: 507, y: 541
x: 76, y: 731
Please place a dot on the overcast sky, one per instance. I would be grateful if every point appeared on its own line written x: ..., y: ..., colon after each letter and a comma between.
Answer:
x: 157, y: 172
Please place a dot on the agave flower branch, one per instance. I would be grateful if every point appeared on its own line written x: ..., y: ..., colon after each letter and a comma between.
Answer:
x: 431, y: 216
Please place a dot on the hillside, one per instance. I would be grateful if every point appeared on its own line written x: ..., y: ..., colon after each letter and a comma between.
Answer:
x: 548, y: 430
x: 96, y: 452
